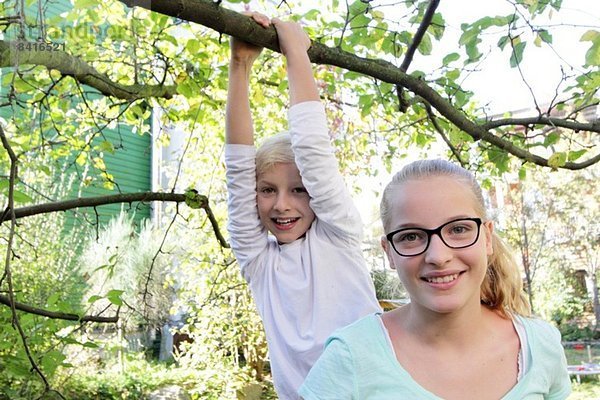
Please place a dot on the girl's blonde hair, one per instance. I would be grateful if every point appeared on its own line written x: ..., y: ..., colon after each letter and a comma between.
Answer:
x: 502, y: 287
x: 275, y: 149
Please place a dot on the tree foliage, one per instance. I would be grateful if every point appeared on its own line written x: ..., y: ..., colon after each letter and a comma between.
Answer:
x: 552, y: 220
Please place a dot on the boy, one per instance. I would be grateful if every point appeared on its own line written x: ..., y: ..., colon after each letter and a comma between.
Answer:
x: 311, y: 278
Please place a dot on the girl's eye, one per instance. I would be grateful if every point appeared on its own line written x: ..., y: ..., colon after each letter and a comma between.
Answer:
x: 459, y: 229
x: 267, y: 190
x: 299, y: 190
x: 410, y: 237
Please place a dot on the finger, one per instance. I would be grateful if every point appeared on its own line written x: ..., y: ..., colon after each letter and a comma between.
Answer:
x: 261, y: 19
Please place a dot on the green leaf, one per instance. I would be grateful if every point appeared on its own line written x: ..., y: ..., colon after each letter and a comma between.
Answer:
x: 52, y: 299
x: 114, y: 296
x: 592, y: 56
x: 557, y: 159
x: 185, y: 88
x: 450, y: 58
x: 365, y: 103
x: 453, y: 74
x: 545, y: 36
x: 425, y: 46
x: 20, y: 197
x: 85, y: 4
x: 106, y: 146
x: 193, y: 199
x: 94, y: 298
x: 551, y: 139
x: 377, y: 15
x: 574, y: 155
x: 16, y: 367
x: 52, y: 360
x: 193, y: 46
x: 311, y: 15
x: 517, y: 54
x: 360, y: 21
x: 469, y: 36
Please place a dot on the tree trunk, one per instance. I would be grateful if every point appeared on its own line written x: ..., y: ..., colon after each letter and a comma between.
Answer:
x: 596, y: 300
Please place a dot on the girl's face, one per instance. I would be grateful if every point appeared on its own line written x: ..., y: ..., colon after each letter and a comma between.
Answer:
x: 441, y: 279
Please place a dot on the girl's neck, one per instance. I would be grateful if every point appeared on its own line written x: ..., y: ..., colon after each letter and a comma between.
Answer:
x: 457, y: 328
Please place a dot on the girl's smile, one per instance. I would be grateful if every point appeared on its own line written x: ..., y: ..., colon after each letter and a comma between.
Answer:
x: 441, y: 279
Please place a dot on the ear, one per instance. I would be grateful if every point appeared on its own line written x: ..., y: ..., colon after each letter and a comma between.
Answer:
x: 388, y: 251
x: 489, y: 230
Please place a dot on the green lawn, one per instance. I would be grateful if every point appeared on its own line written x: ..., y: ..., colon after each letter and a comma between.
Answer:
x: 589, y: 388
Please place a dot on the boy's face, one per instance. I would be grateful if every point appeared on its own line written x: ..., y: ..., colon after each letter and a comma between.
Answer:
x: 283, y: 202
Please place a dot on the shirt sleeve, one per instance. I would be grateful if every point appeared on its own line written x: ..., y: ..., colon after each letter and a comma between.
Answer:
x: 332, y: 376
x: 248, y: 237
x: 330, y: 199
x: 560, y: 388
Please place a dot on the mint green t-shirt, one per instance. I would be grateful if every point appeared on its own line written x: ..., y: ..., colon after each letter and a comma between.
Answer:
x: 358, y: 363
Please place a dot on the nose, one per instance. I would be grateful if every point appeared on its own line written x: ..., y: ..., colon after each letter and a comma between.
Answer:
x: 282, y: 202
x: 437, y: 253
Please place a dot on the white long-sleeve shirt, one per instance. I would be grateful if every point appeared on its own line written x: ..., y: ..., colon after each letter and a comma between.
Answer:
x: 306, y: 289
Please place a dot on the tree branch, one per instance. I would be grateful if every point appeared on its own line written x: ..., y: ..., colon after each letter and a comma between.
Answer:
x: 69, y: 65
x: 200, y: 201
x: 80, y: 202
x: 224, y: 21
x: 547, y: 121
x: 55, y: 315
x: 410, y: 52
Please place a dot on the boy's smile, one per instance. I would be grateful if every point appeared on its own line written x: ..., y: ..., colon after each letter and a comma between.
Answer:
x: 283, y: 202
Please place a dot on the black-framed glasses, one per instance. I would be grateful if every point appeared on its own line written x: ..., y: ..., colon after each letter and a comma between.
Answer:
x: 456, y: 234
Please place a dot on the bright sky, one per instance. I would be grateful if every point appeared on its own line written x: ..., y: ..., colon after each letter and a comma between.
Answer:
x: 498, y: 85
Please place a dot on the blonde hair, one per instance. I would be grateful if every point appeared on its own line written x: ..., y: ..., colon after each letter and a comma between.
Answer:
x: 275, y: 149
x: 502, y: 287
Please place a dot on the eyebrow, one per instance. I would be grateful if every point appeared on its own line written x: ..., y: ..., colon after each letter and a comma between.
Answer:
x: 420, y: 226
x: 266, y: 182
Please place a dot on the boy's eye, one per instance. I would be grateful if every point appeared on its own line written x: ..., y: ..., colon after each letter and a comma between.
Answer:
x: 267, y: 190
x: 299, y: 190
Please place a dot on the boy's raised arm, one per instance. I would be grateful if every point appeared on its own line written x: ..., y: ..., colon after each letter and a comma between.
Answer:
x: 294, y: 43
x: 314, y: 154
x: 238, y: 118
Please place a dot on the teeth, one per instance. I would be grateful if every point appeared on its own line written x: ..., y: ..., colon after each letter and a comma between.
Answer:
x: 284, y: 221
x: 442, y: 279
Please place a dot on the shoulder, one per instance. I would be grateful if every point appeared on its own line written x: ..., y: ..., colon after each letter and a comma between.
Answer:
x: 542, y: 335
x: 345, y: 362
x: 548, y: 364
x: 359, y: 335
x: 540, y: 328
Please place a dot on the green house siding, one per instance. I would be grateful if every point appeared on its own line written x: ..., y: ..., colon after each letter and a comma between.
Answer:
x: 52, y: 12
x: 131, y: 168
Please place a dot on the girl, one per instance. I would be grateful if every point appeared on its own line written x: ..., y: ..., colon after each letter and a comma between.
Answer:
x: 466, y: 333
